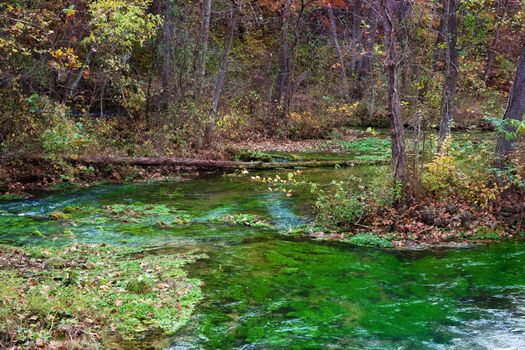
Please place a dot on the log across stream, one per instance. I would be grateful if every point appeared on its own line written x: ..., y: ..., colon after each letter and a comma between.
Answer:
x: 204, y: 164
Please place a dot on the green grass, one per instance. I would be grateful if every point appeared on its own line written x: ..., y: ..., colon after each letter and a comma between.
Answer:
x: 12, y: 196
x: 116, y: 293
x: 244, y: 220
x: 369, y: 147
x: 370, y: 240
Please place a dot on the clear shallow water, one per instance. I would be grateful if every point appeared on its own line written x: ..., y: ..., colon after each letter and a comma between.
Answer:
x: 266, y: 292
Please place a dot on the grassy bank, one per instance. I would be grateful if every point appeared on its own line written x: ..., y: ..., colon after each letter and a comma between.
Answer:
x: 92, y: 296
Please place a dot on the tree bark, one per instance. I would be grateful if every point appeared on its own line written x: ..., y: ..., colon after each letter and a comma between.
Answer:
x: 405, y: 76
x: 500, y: 9
x: 370, y: 39
x: 72, y: 88
x: 399, y: 155
x: 357, y: 37
x: 437, y: 54
x: 167, y: 43
x: 203, y: 51
x: 451, y: 72
x: 515, y: 111
x: 342, y: 66
x: 284, y: 53
x: 219, y: 82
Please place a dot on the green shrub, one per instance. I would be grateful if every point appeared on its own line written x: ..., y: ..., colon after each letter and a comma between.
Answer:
x: 371, y: 240
x: 340, y: 208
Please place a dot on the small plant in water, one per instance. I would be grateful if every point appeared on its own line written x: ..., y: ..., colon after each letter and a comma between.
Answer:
x: 371, y: 240
x: 243, y: 219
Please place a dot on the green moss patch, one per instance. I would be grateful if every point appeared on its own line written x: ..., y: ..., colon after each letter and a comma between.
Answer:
x: 371, y: 240
x: 366, y: 148
x: 96, y: 294
x: 243, y: 219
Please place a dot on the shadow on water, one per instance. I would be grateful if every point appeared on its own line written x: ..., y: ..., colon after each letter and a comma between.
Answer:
x: 265, y: 292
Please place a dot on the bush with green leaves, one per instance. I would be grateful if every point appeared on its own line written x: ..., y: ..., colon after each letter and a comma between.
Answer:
x: 337, y: 208
x: 371, y: 240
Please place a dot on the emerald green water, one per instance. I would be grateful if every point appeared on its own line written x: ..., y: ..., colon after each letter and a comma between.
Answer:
x: 265, y: 291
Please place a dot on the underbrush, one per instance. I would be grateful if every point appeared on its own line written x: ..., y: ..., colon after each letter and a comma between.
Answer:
x: 91, y: 295
x: 371, y: 240
x: 461, y: 198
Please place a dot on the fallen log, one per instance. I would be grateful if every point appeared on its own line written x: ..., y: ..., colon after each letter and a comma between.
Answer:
x: 202, y: 164
x: 216, y: 164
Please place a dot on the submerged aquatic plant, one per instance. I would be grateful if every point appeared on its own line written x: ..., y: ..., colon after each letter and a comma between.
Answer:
x: 243, y: 219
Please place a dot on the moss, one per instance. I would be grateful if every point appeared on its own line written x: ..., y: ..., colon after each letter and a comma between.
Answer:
x: 371, y: 240
x: 37, y: 233
x: 250, y: 156
x: 68, y: 232
x: 70, y: 209
x: 484, y: 234
x: 243, y: 219
x: 140, y: 285
x: 118, y: 293
x: 12, y: 196
x: 59, y: 215
x: 367, y: 147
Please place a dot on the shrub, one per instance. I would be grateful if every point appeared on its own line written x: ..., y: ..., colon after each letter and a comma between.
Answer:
x: 339, y: 208
x: 371, y: 240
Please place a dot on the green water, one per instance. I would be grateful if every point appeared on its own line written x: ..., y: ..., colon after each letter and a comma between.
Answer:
x: 264, y: 291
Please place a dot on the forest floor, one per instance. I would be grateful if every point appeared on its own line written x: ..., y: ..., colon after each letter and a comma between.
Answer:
x: 428, y: 224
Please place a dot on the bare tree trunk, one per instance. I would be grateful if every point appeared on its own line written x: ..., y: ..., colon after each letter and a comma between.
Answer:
x: 284, y: 54
x: 515, y: 111
x: 500, y: 9
x: 399, y: 155
x: 342, y: 66
x: 201, y: 60
x: 405, y: 59
x: 72, y: 88
x: 371, y: 39
x: 437, y: 54
x: 367, y: 68
x: 357, y: 37
x: 491, y: 56
x: 219, y: 82
x: 167, y: 42
x: 451, y: 72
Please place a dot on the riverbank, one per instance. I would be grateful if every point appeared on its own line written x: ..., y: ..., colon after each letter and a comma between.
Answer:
x: 55, y: 245
x: 88, y: 296
x: 19, y: 173
x: 432, y: 221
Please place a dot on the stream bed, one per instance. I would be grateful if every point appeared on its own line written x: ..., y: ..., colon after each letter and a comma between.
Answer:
x: 263, y: 290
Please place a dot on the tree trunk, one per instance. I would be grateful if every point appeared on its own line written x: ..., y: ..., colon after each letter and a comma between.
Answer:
x: 342, y: 66
x: 72, y: 88
x: 437, y: 54
x: 370, y: 40
x: 204, y: 164
x: 357, y: 36
x: 404, y: 40
x: 201, y: 60
x: 167, y: 42
x: 451, y: 72
x: 284, y: 54
x: 399, y: 155
x: 515, y: 111
x: 367, y: 68
x: 500, y: 9
x: 219, y: 82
